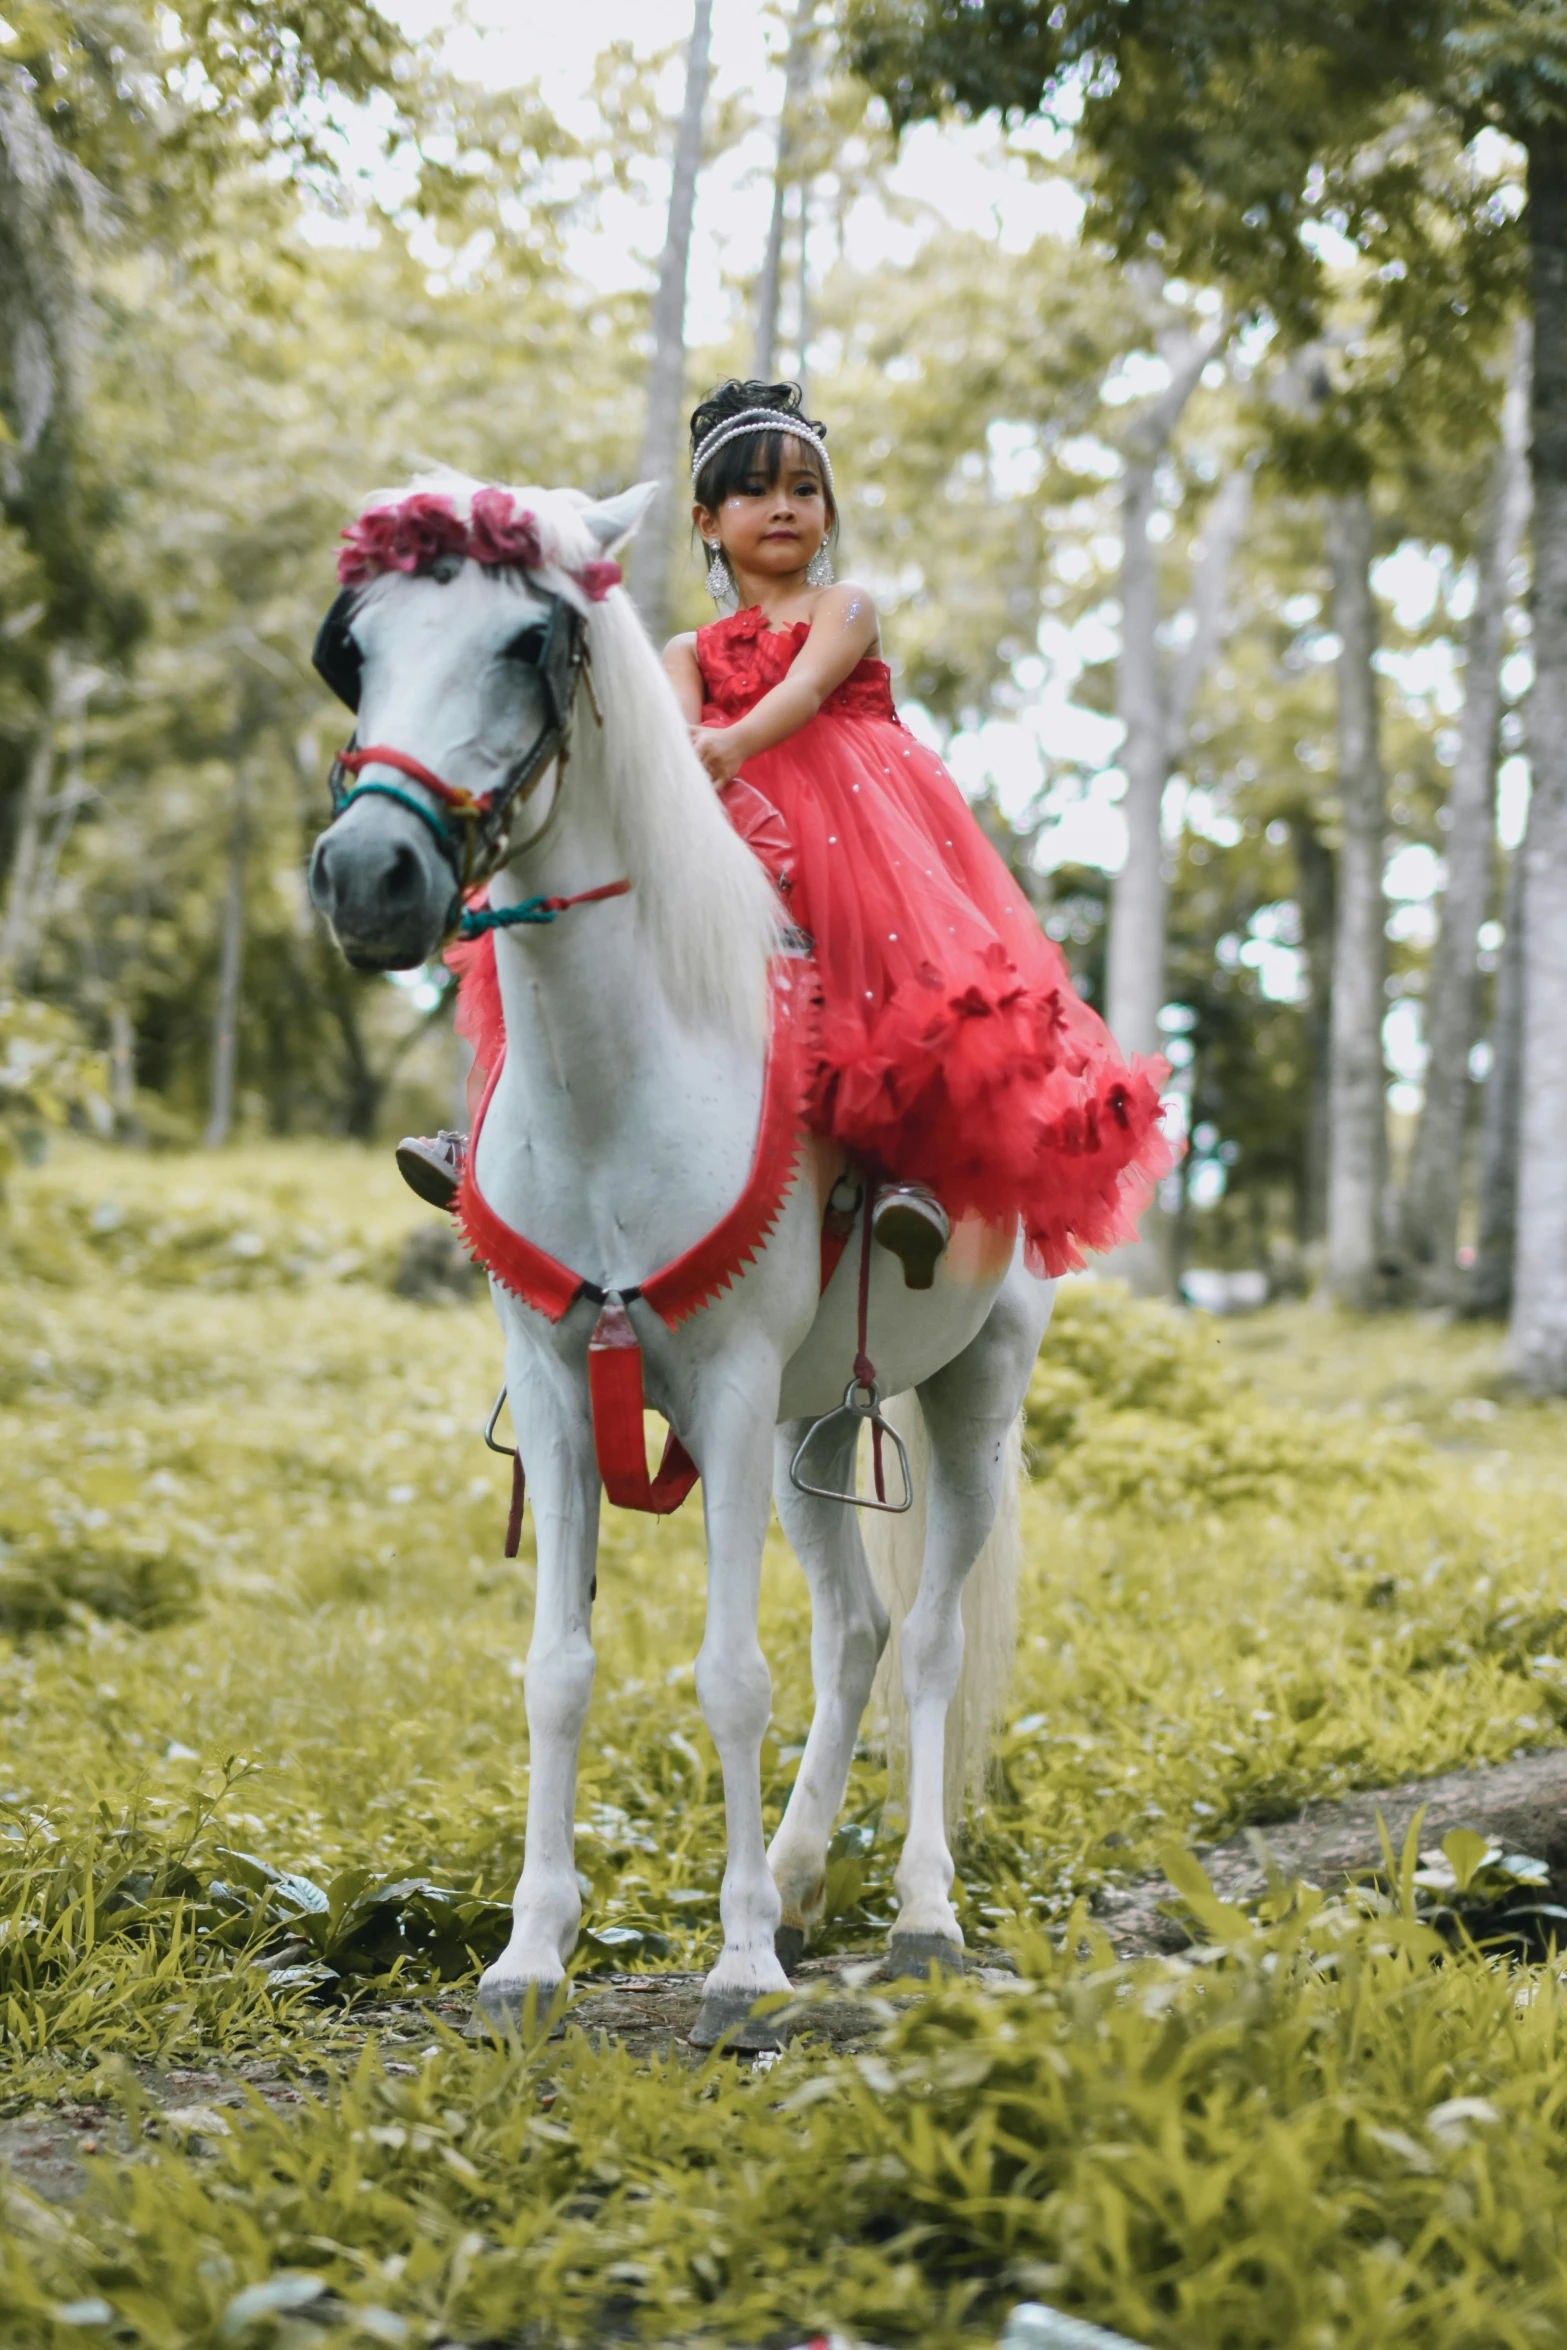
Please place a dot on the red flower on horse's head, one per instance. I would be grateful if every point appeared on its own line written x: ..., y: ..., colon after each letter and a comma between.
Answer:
x: 414, y: 534
x: 503, y: 532
x: 406, y: 537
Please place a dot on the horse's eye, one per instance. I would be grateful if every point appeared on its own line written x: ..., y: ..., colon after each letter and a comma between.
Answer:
x: 527, y: 645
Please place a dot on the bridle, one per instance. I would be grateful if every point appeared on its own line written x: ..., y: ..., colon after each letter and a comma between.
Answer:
x: 472, y: 829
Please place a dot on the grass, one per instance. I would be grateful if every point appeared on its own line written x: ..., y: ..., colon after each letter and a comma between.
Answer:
x: 249, y: 1562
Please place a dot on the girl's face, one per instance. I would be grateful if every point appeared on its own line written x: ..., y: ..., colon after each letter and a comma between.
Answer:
x: 770, y: 529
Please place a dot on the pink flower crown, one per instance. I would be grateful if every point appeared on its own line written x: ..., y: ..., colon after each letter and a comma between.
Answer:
x: 413, y: 535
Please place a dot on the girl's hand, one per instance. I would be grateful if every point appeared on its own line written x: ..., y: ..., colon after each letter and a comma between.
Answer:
x: 719, y: 752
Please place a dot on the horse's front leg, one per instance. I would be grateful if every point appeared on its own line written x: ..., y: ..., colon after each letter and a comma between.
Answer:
x: 736, y: 1414
x: 550, y: 1415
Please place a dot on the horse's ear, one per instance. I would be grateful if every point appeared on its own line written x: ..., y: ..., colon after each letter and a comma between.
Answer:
x: 336, y: 656
x: 613, y: 520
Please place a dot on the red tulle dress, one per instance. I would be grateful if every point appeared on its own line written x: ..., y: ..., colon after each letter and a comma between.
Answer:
x: 951, y: 1049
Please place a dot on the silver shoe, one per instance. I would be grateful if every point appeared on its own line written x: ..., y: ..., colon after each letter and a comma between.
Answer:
x: 432, y: 1165
x: 910, y: 1220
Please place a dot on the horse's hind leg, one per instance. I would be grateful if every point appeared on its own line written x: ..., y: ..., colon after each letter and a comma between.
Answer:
x: 848, y: 1633
x: 969, y: 1408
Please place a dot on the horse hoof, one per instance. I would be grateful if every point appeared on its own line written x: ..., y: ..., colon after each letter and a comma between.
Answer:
x: 729, y: 2018
x: 916, y: 1954
x: 789, y: 1947
x: 504, y: 2011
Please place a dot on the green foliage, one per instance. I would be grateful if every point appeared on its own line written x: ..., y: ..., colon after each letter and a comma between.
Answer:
x: 354, y: 1926
x: 1288, y: 2138
x: 1132, y: 1411
x: 133, y: 92
x: 102, y: 1940
x: 55, y: 1561
x: 1317, y: 2136
x: 1475, y: 1890
x: 47, y: 1071
x: 923, y: 60
x: 188, y: 1239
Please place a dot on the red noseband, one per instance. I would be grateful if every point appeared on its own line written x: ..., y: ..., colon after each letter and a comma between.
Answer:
x: 382, y: 755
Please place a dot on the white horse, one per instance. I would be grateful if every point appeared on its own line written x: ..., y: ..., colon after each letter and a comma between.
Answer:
x: 620, y: 1131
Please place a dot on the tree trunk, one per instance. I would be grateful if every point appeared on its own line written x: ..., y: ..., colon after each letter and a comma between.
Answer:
x: 220, y: 1115
x: 16, y: 931
x: 1222, y: 532
x: 1135, y: 980
x: 1429, y: 1209
x: 1491, y: 1291
x: 64, y: 807
x: 797, y: 70
x: 802, y: 307
x: 648, y: 567
x: 122, y: 1061
x: 1538, y: 1336
x: 1315, y: 881
x: 1155, y: 722
x: 1135, y: 984
x: 1358, y: 1110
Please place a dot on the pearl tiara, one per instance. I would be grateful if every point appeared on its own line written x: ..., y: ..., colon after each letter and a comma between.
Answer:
x: 761, y: 420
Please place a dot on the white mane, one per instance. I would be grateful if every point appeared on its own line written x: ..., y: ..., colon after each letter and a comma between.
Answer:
x: 705, y: 906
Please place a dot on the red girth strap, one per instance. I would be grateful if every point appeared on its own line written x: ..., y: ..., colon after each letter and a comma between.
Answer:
x: 615, y: 1390
x: 617, y: 1403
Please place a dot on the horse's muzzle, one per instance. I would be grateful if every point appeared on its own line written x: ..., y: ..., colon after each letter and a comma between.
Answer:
x: 384, y: 887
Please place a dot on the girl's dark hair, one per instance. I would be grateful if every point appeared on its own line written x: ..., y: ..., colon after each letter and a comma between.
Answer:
x: 730, y: 467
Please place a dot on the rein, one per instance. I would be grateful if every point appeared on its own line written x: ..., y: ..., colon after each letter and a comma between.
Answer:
x: 478, y: 919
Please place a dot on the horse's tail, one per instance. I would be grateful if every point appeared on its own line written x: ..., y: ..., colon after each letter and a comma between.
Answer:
x: 895, y: 1546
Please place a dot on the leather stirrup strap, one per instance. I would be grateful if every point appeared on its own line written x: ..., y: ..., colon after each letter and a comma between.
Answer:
x: 615, y: 1393
x: 519, y: 1494
x: 864, y: 1368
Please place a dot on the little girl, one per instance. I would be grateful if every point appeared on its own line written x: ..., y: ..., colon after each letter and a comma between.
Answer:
x: 953, y: 1060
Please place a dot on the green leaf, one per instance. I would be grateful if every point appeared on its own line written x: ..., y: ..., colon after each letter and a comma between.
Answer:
x: 1466, y: 1852
x: 1220, y: 1919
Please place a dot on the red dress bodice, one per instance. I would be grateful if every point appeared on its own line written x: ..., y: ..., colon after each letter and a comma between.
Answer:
x: 952, y: 1048
x: 742, y: 658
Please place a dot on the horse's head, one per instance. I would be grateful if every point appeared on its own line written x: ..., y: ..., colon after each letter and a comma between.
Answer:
x: 456, y: 640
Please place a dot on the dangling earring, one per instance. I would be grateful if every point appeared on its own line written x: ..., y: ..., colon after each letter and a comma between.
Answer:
x: 819, y: 571
x: 719, y: 584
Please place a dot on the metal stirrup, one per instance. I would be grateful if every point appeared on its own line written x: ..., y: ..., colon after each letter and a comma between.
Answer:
x: 863, y: 1414
x: 866, y: 1412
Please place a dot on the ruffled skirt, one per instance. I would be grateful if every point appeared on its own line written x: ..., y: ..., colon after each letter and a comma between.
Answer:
x: 951, y: 1048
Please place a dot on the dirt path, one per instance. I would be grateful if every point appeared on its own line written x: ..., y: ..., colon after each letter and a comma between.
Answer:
x: 1520, y: 1805
x: 651, y: 2015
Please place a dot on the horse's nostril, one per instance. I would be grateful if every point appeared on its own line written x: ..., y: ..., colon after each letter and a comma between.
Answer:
x: 322, y: 893
x: 404, y: 877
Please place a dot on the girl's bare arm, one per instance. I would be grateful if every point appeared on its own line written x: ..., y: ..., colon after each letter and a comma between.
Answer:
x: 680, y: 667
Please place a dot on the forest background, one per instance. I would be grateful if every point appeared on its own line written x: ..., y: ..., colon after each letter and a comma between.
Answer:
x: 1196, y: 497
